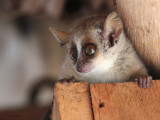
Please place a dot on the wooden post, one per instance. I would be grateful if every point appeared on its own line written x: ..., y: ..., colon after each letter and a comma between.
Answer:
x: 125, y: 101
x: 110, y: 101
x: 72, y: 102
x: 142, y: 22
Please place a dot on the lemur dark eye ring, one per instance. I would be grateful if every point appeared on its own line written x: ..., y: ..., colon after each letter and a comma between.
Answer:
x: 73, y: 54
x: 90, y: 49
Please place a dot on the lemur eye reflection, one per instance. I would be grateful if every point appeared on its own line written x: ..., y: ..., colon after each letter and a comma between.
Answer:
x: 73, y: 54
x: 90, y: 49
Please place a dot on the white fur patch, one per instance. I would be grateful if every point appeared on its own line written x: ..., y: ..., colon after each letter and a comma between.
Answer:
x: 100, y: 73
x: 79, y: 46
x: 78, y: 43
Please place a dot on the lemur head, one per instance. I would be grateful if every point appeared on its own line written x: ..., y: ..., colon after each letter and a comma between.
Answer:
x: 91, y: 41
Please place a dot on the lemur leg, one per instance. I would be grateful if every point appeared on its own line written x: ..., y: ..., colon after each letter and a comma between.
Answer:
x: 144, y: 81
x: 68, y: 80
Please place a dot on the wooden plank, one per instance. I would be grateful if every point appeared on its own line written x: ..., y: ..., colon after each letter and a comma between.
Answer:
x: 141, y: 22
x: 72, y: 102
x: 125, y: 101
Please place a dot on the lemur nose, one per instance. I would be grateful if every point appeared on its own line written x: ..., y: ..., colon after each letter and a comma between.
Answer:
x: 79, y: 66
x: 84, y: 66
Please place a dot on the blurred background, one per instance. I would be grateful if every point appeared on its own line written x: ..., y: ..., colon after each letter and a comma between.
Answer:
x: 30, y: 57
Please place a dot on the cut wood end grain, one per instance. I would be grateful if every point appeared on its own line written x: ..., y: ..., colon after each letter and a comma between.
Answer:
x: 72, y: 102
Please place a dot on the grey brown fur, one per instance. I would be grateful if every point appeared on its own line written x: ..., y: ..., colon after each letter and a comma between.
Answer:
x: 115, y: 60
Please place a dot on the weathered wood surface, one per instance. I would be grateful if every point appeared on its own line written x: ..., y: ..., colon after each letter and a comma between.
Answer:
x: 72, y: 102
x: 125, y: 101
x: 142, y: 22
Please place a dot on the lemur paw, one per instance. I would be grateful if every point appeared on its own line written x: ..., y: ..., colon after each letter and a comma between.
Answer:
x: 144, y: 81
x: 68, y: 80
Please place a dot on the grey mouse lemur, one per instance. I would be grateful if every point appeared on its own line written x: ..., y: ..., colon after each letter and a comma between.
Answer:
x: 98, y: 52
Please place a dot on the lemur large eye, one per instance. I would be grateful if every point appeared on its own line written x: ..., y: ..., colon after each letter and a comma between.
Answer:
x: 73, y: 54
x: 90, y: 49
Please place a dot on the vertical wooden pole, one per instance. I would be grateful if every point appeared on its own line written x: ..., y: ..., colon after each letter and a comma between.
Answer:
x: 142, y: 22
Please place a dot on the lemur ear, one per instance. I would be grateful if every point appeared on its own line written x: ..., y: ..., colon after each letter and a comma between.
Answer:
x: 61, y: 36
x: 112, y: 28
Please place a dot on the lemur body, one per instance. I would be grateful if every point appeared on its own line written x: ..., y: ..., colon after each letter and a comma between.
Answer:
x: 119, y: 65
x: 98, y: 51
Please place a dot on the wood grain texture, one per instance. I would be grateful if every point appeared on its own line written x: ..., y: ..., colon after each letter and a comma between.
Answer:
x: 141, y: 21
x: 125, y: 101
x: 72, y: 102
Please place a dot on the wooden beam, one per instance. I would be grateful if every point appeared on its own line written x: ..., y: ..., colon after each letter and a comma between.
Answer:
x: 72, y: 102
x: 125, y: 101
x: 110, y: 101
